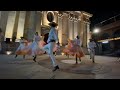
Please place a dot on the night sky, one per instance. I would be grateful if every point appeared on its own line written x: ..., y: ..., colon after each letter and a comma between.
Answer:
x: 99, y: 16
x: 101, y: 9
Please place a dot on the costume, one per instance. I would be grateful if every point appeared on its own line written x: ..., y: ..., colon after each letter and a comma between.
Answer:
x: 73, y: 49
x: 91, y: 49
x: 21, y: 47
x: 51, y: 44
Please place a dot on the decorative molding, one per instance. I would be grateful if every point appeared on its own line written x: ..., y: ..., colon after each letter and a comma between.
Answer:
x: 60, y: 15
x: 86, y: 14
x: 51, y: 12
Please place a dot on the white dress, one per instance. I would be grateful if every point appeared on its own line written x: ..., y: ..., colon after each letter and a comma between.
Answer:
x: 35, y: 48
x: 21, y: 46
x: 78, y: 42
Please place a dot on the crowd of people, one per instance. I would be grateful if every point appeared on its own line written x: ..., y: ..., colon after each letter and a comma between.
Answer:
x: 51, y: 45
x: 39, y: 46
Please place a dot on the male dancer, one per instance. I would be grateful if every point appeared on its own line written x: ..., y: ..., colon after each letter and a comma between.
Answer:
x: 91, y: 49
x: 51, y: 43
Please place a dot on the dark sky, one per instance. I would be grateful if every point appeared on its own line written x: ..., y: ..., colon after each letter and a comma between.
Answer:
x: 101, y: 9
x: 99, y: 16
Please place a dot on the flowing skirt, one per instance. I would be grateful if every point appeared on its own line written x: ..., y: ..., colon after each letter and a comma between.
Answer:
x: 31, y: 48
x: 23, y: 49
x: 73, y: 51
x: 36, y: 48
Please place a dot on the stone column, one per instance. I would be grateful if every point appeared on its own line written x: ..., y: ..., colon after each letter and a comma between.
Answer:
x: 55, y: 16
x: 10, y: 24
x: 78, y: 27
x: 32, y: 25
x: 81, y: 29
x: 75, y: 29
x: 44, y: 18
x: 60, y: 29
x: 85, y: 34
x: 65, y: 29
x: 26, y: 26
x: 71, y: 32
x: 21, y: 22
x: 16, y: 24
x: 88, y: 32
x: 3, y: 20
x: 38, y: 21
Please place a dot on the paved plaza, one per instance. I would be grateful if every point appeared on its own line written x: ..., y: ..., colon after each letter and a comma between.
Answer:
x: 18, y: 68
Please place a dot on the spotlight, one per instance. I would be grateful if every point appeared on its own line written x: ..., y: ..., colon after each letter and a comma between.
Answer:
x: 8, y: 52
x: 62, y: 53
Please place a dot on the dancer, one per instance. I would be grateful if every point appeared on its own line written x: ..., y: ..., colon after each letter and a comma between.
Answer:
x: 78, y: 42
x: 74, y: 50
x: 91, y: 49
x: 35, y: 46
x: 51, y: 43
x: 21, y: 47
x: 56, y: 49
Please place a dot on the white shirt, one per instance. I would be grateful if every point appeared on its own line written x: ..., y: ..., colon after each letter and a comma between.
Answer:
x: 21, y: 41
x: 91, y: 45
x: 52, y: 35
x: 77, y: 41
x: 36, y: 38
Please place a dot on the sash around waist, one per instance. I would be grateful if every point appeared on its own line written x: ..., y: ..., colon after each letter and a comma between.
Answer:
x: 51, y: 41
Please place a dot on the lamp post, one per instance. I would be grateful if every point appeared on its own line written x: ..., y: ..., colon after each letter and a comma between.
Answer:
x: 96, y: 30
x: 95, y: 33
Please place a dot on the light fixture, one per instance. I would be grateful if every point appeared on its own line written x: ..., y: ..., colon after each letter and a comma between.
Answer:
x: 96, y: 30
x: 8, y: 52
x: 105, y: 42
x: 62, y: 53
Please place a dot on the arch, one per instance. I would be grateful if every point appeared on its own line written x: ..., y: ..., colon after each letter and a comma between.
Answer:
x: 50, y: 16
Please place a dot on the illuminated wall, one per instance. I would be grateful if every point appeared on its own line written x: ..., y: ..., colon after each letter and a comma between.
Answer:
x: 44, y: 18
x: 21, y: 22
x: 10, y: 24
x: 60, y: 29
x: 75, y: 29
x: 71, y: 33
x: 26, y: 23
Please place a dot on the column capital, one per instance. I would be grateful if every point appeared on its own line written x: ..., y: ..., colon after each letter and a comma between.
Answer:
x: 60, y: 15
x: 65, y: 14
x: 79, y: 18
x: 70, y: 18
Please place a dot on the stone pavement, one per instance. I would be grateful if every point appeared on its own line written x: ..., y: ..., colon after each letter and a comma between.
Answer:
x: 19, y: 68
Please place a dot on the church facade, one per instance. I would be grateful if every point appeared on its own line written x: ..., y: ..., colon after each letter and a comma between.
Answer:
x: 26, y: 23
